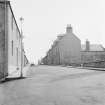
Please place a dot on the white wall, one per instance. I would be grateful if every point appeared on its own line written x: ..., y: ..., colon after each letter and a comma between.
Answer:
x: 13, y: 35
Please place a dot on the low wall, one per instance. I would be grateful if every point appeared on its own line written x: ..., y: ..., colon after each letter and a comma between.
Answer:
x: 97, y: 64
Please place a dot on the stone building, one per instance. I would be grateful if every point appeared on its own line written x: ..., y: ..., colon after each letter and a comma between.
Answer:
x: 92, y: 53
x: 66, y: 49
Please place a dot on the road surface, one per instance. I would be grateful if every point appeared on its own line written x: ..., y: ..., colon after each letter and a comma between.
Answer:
x: 54, y: 85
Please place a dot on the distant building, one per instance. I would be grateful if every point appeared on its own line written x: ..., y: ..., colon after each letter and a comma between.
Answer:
x: 92, y: 53
x: 66, y: 49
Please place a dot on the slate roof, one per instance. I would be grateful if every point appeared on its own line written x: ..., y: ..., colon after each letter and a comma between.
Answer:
x: 93, y: 47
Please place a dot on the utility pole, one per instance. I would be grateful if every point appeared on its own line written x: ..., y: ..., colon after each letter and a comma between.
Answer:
x: 21, y: 20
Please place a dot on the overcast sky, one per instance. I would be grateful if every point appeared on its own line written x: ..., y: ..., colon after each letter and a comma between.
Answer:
x: 44, y: 19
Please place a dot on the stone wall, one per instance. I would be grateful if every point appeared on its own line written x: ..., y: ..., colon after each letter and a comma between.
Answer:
x: 97, y: 64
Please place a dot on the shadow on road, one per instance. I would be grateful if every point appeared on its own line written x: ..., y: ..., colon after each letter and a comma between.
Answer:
x: 12, y: 79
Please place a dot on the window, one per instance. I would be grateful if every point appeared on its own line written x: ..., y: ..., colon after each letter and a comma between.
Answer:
x: 12, y: 22
x: 12, y: 47
x: 17, y: 33
x: 17, y: 56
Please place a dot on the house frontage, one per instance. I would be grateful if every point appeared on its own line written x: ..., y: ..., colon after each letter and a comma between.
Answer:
x: 66, y: 49
x: 93, y: 55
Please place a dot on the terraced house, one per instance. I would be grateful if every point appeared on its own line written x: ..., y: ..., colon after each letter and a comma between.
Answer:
x: 12, y: 55
x: 93, y: 55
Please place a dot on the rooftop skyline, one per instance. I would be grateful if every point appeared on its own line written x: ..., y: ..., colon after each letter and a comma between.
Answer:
x: 44, y: 20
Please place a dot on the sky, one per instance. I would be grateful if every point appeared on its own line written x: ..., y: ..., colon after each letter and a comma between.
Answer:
x: 45, y: 19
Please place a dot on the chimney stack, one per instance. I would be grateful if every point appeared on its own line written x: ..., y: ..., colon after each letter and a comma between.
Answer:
x: 69, y: 28
x: 87, y: 45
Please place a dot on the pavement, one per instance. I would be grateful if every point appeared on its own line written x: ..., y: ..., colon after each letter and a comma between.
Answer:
x: 55, y: 85
x: 17, y: 73
x: 89, y: 68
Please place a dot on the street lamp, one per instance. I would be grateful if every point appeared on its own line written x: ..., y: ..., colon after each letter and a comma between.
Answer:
x: 21, y: 20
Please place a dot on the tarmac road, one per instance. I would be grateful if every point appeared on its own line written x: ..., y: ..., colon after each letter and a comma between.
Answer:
x: 54, y: 85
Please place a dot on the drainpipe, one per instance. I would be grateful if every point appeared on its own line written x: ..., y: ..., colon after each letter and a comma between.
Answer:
x: 5, y: 51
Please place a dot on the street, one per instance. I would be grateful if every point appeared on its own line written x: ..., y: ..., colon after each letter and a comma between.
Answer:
x: 55, y: 85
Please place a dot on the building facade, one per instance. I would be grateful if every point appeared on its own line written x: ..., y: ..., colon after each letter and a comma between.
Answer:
x: 11, y: 50
x: 92, y: 53
x: 66, y: 49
